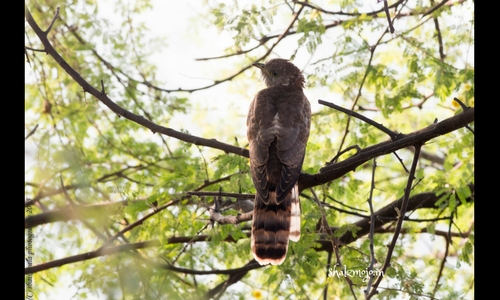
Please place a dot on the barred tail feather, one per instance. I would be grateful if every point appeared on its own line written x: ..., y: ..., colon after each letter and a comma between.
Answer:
x: 273, y: 225
x: 295, y: 215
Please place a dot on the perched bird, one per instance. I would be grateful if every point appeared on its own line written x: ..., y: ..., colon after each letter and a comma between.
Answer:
x: 278, y: 125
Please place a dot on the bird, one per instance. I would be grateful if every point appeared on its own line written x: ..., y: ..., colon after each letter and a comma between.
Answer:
x: 278, y: 125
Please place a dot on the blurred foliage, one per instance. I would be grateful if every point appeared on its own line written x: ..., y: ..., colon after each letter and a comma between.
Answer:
x: 401, y: 80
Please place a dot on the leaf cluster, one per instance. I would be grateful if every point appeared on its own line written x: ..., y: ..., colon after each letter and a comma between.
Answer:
x: 100, y: 179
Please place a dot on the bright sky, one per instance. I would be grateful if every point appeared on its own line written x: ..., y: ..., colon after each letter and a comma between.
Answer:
x: 226, y: 105
x: 187, y: 40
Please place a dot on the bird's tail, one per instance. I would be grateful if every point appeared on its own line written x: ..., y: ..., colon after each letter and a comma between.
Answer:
x: 273, y: 225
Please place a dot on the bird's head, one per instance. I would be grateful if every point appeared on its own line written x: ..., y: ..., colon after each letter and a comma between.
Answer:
x: 281, y: 72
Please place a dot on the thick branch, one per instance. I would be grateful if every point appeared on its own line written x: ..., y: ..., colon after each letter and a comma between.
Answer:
x: 233, y: 278
x: 383, y: 216
x: 336, y: 170
x: 389, y: 213
x: 328, y: 173
x: 71, y: 213
x: 90, y: 255
x: 249, y: 266
x: 101, y: 96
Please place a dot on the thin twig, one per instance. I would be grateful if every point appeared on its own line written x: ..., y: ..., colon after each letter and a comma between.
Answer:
x: 78, y: 214
x: 393, y: 135
x: 333, y: 171
x: 438, y: 35
x: 56, y: 15
x: 340, y: 153
x: 189, y: 243
x: 333, y: 240
x: 372, y: 230
x: 361, y: 85
x: 234, y: 276
x: 388, y: 15
x: 344, y: 210
x: 120, y: 111
x: 325, y: 227
x: 433, y: 9
x: 31, y: 132
x: 328, y: 266
x: 216, y: 216
x: 139, y: 222
x: 445, y: 255
x: 402, y: 212
x: 27, y: 56
x: 464, y: 107
x: 214, y: 194
x: 400, y: 161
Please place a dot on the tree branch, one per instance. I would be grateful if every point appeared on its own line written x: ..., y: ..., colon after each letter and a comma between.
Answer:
x: 234, y: 277
x: 336, y: 170
x: 389, y: 213
x: 139, y: 222
x: 89, y: 255
x: 383, y: 216
x: 31, y: 132
x: 401, y: 216
x: 68, y: 213
x: 326, y: 174
x: 121, y: 111
x: 390, y: 133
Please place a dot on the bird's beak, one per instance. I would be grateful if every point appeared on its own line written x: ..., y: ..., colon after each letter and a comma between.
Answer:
x: 258, y: 65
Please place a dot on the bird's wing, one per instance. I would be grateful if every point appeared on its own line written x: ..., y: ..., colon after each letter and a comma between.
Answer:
x: 287, y: 120
x: 260, y: 140
x: 292, y: 141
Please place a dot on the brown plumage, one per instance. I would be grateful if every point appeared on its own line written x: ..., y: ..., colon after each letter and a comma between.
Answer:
x: 278, y: 128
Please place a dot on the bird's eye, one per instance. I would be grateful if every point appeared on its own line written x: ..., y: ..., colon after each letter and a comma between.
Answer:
x: 274, y: 73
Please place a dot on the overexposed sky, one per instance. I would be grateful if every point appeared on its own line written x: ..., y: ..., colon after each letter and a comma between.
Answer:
x: 222, y: 108
x: 189, y: 36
